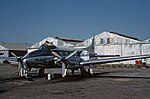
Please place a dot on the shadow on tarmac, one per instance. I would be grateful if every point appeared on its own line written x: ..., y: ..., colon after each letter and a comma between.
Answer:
x: 72, y: 78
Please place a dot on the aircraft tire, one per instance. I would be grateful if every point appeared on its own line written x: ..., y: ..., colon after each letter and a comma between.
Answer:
x: 41, y: 72
x: 72, y: 71
x: 29, y: 78
x: 84, y: 73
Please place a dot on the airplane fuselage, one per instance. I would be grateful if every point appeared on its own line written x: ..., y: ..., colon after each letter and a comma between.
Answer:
x: 43, y: 57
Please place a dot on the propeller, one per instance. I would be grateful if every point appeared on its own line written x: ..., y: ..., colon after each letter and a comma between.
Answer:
x: 55, y: 54
x: 64, y: 61
x: 14, y: 54
x: 20, y: 66
x: 64, y: 70
x: 73, y: 53
x: 17, y: 58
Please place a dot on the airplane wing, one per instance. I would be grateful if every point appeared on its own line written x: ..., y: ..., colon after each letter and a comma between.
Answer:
x: 107, y: 55
x: 116, y: 59
x: 9, y: 58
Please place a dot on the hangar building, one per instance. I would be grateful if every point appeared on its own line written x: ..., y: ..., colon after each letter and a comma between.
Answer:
x: 112, y: 43
x: 58, y: 41
x: 18, y: 49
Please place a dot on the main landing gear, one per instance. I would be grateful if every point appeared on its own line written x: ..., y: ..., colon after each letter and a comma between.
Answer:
x: 29, y: 77
x: 85, y: 73
x: 41, y: 72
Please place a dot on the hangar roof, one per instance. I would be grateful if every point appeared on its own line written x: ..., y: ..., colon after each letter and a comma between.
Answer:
x: 14, y: 46
x: 147, y: 41
x: 68, y: 39
x: 125, y: 36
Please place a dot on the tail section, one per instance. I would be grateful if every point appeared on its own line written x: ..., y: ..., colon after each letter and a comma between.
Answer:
x: 91, y: 47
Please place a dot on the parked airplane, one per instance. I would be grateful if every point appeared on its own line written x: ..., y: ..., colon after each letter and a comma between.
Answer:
x: 51, y: 56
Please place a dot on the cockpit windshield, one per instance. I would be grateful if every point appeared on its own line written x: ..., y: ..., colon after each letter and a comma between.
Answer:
x: 47, y: 46
x: 42, y: 47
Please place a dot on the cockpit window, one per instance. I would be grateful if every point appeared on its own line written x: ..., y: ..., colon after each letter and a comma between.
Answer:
x: 47, y: 46
x: 43, y: 47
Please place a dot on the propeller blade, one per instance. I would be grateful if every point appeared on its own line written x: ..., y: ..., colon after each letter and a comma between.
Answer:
x: 55, y: 54
x: 64, y: 70
x: 14, y: 55
x: 73, y: 53
x: 21, y: 70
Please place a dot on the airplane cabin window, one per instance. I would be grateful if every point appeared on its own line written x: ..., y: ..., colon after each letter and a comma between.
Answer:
x: 46, y: 47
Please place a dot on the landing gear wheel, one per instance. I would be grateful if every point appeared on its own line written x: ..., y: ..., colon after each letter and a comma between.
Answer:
x: 29, y: 78
x: 72, y: 71
x: 84, y: 73
x: 41, y: 72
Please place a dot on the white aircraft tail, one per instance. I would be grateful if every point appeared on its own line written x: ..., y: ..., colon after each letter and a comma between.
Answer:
x: 91, y: 47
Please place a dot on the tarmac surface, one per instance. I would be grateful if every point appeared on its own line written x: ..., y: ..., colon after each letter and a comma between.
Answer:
x: 104, y: 84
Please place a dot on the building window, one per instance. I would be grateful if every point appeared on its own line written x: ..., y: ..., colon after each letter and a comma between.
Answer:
x: 108, y: 40
x: 101, y: 41
x: 60, y: 43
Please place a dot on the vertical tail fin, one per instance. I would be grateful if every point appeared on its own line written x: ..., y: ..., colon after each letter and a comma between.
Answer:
x: 91, y: 48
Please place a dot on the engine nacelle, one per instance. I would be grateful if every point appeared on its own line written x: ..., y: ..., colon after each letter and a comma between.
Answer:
x: 85, y: 55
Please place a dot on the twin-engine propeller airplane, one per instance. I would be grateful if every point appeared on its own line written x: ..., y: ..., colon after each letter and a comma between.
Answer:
x: 51, y: 56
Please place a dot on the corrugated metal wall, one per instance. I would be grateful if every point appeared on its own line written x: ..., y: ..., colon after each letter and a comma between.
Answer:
x: 146, y: 50
x: 107, y: 43
x: 129, y: 49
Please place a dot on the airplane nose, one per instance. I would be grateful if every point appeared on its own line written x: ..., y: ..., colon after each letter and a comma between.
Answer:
x: 18, y: 59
